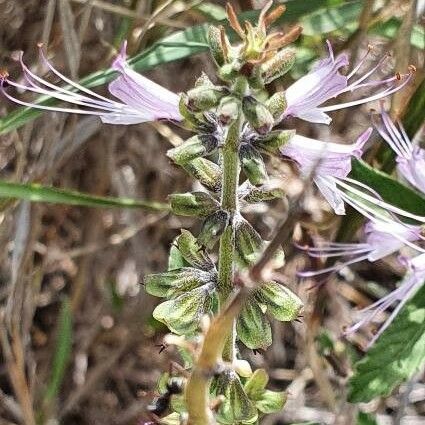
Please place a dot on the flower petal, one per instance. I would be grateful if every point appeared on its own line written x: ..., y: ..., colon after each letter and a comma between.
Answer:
x: 143, y: 94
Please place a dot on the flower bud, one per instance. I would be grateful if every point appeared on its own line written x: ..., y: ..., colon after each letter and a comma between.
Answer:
x: 213, y: 228
x: 252, y: 164
x: 219, y: 44
x: 257, y: 114
x: 190, y: 118
x: 248, y: 242
x: 228, y: 110
x: 278, y: 65
x: 203, y: 97
x: 254, y: 194
x: 277, y: 105
x: 228, y: 72
x: 207, y: 172
x: 192, y: 252
x: 273, y: 142
x: 203, y: 81
x: 196, y: 146
x: 198, y: 204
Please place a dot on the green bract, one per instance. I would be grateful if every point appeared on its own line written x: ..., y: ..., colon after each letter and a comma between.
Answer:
x: 270, y: 298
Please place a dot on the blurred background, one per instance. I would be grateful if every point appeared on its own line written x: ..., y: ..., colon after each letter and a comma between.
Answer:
x: 77, y: 341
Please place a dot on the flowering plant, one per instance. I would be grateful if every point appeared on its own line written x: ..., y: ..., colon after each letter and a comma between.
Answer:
x: 214, y: 299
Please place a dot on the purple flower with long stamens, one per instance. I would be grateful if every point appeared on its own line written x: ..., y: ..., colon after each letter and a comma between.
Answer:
x: 382, y: 238
x: 325, y: 159
x: 142, y: 100
x: 410, y: 158
x: 325, y: 82
x: 413, y: 280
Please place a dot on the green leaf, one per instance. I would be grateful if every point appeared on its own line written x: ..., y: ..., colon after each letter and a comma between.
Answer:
x: 330, y: 19
x: 178, y: 45
x: 63, y: 350
x: 396, y: 356
x: 388, y: 188
x: 252, y: 326
x: 182, y: 314
x: 271, y: 402
x: 38, y: 193
x: 389, y: 29
x: 256, y: 384
x: 281, y: 302
x: 213, y: 12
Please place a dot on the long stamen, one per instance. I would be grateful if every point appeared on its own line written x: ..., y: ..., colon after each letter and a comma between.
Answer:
x: 369, y: 73
x: 30, y: 75
x: 337, y: 254
x: 361, y: 62
x: 69, y: 81
x: 397, y: 137
x: 44, y: 107
x: 372, y: 98
x: 334, y: 268
x: 375, y: 200
x: 406, y: 297
x: 59, y: 96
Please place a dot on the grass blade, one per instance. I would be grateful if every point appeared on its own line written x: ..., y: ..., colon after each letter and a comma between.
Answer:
x: 38, y: 193
x: 63, y: 351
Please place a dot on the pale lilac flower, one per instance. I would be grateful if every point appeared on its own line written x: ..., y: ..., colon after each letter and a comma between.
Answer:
x: 325, y: 159
x: 141, y: 99
x: 381, y: 239
x: 413, y: 280
x: 410, y: 158
x: 325, y: 82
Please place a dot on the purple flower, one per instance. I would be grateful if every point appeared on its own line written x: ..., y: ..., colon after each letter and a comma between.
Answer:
x: 325, y: 159
x: 410, y: 158
x: 141, y: 99
x: 413, y: 280
x: 382, y: 238
x: 325, y: 82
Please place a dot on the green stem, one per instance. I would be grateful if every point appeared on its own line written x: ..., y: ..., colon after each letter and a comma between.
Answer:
x: 229, y: 203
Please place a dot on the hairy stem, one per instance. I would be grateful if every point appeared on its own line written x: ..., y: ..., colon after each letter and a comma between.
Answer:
x: 229, y: 203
